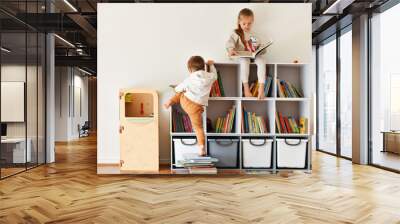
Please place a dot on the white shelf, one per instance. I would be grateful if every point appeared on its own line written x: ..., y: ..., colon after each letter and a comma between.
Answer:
x: 256, y: 99
x: 224, y: 98
x: 257, y: 135
x: 223, y: 134
x: 292, y: 99
x: 183, y: 134
x: 291, y: 135
x: 295, y: 73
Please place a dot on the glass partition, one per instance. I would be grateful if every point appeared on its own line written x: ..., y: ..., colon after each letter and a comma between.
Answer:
x: 327, y: 96
x: 22, y: 77
x: 385, y: 90
x: 14, y: 153
x: 346, y: 94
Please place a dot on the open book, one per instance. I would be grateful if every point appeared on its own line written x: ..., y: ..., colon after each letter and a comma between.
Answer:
x: 249, y: 54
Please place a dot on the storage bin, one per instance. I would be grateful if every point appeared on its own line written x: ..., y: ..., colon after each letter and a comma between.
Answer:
x: 257, y: 153
x: 182, y: 146
x: 291, y: 153
x: 225, y: 150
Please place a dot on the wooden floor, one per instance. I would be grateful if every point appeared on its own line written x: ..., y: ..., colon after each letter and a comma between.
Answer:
x: 386, y: 159
x: 70, y: 191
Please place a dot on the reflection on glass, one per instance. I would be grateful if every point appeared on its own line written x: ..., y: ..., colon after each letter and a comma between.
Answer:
x: 385, y: 84
x: 31, y: 101
x: 346, y: 94
x: 41, y: 98
x: 327, y: 97
x: 13, y: 84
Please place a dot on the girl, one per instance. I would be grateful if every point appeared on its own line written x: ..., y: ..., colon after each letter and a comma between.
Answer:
x: 243, y: 39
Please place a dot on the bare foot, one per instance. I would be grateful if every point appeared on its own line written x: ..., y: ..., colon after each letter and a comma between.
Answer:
x: 261, y: 93
x: 248, y: 94
x: 202, y: 150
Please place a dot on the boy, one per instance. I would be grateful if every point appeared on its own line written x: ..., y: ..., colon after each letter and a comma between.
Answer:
x: 193, y: 94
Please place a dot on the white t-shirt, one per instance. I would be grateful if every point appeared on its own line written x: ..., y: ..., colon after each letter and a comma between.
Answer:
x: 198, y: 85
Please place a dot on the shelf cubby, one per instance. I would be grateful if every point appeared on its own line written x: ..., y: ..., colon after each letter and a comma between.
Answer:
x: 293, y: 74
x: 264, y: 109
x: 221, y: 108
x: 176, y: 126
x: 230, y: 78
x: 253, y: 78
x: 296, y: 110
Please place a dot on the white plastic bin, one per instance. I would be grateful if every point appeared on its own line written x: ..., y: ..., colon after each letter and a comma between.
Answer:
x: 291, y: 153
x: 257, y: 153
x: 183, y: 146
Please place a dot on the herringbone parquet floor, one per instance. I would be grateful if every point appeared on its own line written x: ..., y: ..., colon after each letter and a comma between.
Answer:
x: 69, y: 191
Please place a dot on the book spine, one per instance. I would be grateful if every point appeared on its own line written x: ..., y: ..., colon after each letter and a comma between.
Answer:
x: 220, y: 84
x: 232, y: 119
x: 226, y: 122
x: 246, y: 129
x: 302, y: 125
x: 217, y: 125
x: 278, y: 126
x: 282, y: 123
x: 295, y: 125
x: 288, y: 128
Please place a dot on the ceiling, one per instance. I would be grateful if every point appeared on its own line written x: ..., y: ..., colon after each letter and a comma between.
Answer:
x: 76, y: 22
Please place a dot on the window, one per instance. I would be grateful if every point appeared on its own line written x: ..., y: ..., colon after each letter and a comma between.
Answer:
x: 346, y: 93
x: 385, y: 89
x: 327, y: 97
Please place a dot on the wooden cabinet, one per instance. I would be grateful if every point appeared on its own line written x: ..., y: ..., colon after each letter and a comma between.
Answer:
x: 139, y: 137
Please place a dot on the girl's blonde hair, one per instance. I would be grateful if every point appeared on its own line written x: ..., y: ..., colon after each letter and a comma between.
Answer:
x: 239, y: 31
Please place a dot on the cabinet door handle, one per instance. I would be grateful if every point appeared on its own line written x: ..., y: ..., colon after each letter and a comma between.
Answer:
x: 121, y: 129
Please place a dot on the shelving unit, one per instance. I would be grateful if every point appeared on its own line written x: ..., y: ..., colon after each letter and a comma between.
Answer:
x: 296, y: 74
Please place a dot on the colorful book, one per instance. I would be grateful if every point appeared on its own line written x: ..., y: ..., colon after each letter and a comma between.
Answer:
x: 225, y: 124
x: 286, y: 89
x: 303, y: 125
x: 217, y: 90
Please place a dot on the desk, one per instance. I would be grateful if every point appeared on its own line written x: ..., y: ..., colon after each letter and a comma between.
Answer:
x: 18, y: 149
x: 391, y: 141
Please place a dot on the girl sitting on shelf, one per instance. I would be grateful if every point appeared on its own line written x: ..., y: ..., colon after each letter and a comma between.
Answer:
x: 242, y: 39
x: 193, y: 93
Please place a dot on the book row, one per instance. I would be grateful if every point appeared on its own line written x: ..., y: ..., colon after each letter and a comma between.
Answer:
x: 250, y: 123
x: 284, y: 88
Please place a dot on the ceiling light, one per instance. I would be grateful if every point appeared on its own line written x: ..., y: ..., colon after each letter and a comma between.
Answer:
x: 64, y: 40
x: 70, y: 5
x: 338, y: 6
x: 84, y: 71
x: 5, y: 50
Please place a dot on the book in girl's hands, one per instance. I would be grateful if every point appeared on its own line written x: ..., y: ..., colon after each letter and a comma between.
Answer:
x: 252, y: 54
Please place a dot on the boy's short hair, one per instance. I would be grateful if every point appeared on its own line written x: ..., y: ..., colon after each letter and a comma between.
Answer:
x: 196, y: 63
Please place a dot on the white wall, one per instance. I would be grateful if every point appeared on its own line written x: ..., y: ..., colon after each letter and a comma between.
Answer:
x: 147, y: 46
x: 66, y: 119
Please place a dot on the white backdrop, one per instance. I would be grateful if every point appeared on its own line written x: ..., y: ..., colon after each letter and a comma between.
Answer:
x: 147, y: 45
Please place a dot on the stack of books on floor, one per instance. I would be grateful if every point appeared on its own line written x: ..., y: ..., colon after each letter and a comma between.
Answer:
x: 290, y: 125
x: 254, y: 87
x: 286, y: 89
x: 181, y: 122
x: 226, y: 124
x: 251, y: 123
x: 199, y: 164
x: 217, y: 90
